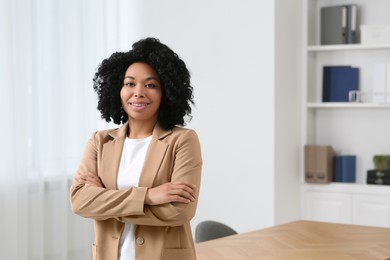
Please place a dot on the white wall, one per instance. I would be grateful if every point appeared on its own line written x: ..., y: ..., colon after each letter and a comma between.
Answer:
x: 288, y: 35
x: 229, y: 47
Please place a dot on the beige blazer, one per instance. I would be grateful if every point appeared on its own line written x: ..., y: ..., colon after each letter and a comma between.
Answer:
x: 163, y: 231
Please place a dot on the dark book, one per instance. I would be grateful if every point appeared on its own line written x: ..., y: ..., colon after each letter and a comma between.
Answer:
x: 338, y: 81
x: 378, y: 174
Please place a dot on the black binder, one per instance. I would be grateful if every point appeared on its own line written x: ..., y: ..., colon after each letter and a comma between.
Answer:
x: 352, y: 22
x: 334, y: 25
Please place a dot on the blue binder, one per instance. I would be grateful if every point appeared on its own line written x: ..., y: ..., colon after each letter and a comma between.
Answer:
x: 344, y: 168
x: 338, y: 81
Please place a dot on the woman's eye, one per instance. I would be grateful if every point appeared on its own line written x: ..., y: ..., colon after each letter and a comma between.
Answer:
x: 130, y: 84
x: 150, y: 85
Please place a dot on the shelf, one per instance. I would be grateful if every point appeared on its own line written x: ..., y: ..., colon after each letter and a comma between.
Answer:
x: 346, y: 47
x: 346, y: 105
x: 349, y: 187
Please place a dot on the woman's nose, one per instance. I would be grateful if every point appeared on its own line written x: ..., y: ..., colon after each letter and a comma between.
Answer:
x: 139, y: 91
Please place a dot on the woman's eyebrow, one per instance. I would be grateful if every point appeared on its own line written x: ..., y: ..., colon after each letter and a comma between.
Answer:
x: 148, y: 78
x: 153, y: 78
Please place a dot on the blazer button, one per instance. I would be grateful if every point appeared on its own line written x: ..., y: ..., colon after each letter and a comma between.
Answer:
x: 140, y: 240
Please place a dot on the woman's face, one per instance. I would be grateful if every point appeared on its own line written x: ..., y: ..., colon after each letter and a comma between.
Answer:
x: 141, y: 93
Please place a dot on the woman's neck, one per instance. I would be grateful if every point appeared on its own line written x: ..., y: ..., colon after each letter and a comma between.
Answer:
x: 139, y: 130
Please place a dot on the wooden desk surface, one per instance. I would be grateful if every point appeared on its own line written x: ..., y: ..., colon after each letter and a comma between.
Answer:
x: 301, y: 240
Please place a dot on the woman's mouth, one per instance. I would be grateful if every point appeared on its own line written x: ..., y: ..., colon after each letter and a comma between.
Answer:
x: 139, y: 106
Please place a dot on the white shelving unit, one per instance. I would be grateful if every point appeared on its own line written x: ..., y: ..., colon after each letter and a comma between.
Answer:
x: 361, y: 129
x: 346, y: 47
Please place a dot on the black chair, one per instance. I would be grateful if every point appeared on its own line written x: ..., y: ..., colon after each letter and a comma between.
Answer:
x: 209, y: 229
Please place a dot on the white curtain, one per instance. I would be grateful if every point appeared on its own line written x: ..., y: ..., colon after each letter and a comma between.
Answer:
x: 49, y: 51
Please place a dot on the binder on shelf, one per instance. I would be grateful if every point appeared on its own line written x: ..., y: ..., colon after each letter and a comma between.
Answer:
x: 318, y: 164
x: 345, y: 168
x: 338, y: 81
x: 352, y: 23
x: 334, y: 25
x: 339, y: 24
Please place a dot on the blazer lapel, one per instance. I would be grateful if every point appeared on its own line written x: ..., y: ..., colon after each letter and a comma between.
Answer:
x: 154, y: 157
x: 111, y: 156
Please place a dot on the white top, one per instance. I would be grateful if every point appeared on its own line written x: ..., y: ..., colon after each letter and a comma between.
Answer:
x: 132, y: 161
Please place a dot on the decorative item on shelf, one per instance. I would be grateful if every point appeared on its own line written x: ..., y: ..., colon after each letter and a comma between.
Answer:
x: 354, y: 96
x: 381, y: 162
x: 338, y: 82
x: 381, y: 174
x: 318, y: 163
x: 339, y: 24
x: 375, y: 34
x: 344, y: 168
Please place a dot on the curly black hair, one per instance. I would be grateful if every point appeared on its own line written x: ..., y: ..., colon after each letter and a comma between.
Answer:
x: 177, y: 96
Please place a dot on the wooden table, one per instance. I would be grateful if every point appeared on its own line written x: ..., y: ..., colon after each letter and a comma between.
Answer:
x: 301, y: 240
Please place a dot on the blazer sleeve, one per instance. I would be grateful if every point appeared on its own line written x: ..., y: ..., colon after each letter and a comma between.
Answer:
x: 187, y: 167
x: 102, y: 203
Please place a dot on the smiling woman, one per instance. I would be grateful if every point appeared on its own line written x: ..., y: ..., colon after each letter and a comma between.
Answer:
x: 141, y: 97
x: 140, y: 182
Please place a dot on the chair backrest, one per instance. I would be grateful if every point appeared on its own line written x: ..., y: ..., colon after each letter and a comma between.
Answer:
x: 209, y: 229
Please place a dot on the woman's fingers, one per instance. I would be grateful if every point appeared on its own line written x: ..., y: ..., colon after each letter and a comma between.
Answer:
x: 171, y: 192
x: 190, y: 191
x: 185, y: 193
x: 90, y: 179
x: 182, y: 189
x: 81, y: 177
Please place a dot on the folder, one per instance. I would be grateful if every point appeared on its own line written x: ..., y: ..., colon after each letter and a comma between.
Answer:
x: 352, y: 23
x: 338, y: 81
x: 334, y: 25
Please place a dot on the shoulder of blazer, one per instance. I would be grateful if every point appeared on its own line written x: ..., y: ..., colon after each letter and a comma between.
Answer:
x: 121, y: 132
x: 181, y: 135
x: 159, y: 133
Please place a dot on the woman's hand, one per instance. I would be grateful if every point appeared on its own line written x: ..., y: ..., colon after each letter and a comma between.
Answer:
x: 90, y: 179
x: 171, y: 192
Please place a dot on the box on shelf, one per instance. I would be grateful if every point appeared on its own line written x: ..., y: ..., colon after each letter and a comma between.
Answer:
x: 318, y: 163
x: 374, y: 34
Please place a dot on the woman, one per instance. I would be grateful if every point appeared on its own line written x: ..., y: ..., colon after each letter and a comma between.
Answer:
x: 140, y: 182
